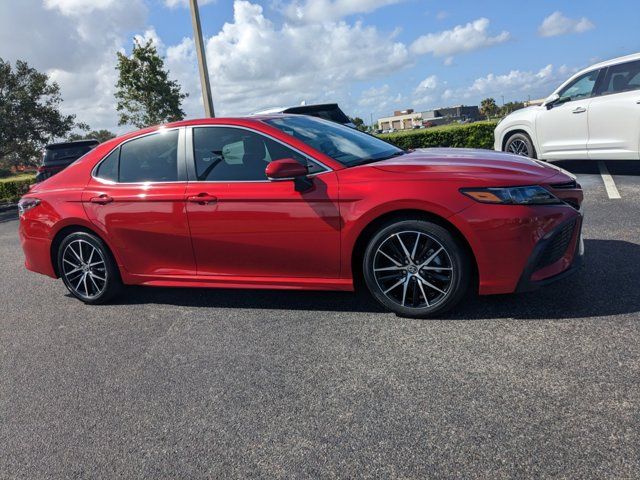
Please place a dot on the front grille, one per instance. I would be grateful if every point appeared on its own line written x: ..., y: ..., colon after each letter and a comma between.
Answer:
x: 557, y: 246
x: 565, y: 186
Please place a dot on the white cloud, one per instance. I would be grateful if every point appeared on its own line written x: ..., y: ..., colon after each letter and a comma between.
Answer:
x: 441, y: 15
x: 461, y: 39
x: 428, y: 83
x: 75, y: 42
x: 185, y: 3
x: 311, y: 11
x: 381, y: 100
x: 255, y: 64
x: 515, y: 85
x: 557, y: 24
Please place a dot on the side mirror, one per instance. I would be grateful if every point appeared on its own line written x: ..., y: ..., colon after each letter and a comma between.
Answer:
x: 285, y: 169
x: 289, y: 169
x: 551, y: 99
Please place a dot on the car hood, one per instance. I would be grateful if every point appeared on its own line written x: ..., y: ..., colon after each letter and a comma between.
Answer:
x: 482, y: 166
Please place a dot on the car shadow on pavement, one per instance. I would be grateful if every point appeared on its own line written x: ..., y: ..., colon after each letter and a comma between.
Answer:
x: 608, y: 284
x: 8, y: 214
x: 590, y: 167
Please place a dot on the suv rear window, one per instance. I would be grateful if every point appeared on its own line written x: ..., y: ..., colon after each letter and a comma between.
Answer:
x: 65, y: 153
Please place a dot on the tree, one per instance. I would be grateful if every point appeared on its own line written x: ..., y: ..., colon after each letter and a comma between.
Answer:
x: 359, y: 123
x: 489, y: 108
x: 30, y: 114
x: 509, y: 107
x: 100, y: 135
x: 145, y: 94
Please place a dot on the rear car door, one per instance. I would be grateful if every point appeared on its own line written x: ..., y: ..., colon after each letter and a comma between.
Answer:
x: 244, y: 225
x: 562, y: 129
x: 614, y: 114
x: 136, y: 197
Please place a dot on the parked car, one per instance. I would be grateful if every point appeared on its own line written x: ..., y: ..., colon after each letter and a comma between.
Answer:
x: 296, y: 202
x: 326, y: 111
x: 58, y: 156
x: 593, y: 115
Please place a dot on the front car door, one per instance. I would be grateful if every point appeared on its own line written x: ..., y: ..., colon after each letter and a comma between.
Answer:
x: 614, y: 114
x: 244, y: 225
x: 562, y: 128
x: 136, y: 197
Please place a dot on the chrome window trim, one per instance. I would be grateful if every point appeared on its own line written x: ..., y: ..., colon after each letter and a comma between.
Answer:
x: 104, y: 181
x: 326, y: 169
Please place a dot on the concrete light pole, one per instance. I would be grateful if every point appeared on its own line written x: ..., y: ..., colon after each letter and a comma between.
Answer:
x: 202, y: 59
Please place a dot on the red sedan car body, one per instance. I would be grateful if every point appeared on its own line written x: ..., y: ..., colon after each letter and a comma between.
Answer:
x: 258, y: 233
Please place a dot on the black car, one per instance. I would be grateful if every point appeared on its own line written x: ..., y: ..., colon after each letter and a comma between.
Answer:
x: 326, y: 111
x: 59, y: 156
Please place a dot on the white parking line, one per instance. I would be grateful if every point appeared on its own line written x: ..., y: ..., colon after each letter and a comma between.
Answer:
x: 609, y: 184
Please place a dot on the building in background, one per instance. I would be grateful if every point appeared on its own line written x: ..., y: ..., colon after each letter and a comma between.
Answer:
x: 408, y: 119
x: 401, y: 120
x: 443, y: 116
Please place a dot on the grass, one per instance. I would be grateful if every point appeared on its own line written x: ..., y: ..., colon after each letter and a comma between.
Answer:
x: 18, y: 177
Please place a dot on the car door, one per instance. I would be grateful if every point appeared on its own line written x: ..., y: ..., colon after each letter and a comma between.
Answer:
x: 614, y: 114
x: 562, y: 128
x: 136, y: 198
x: 244, y: 225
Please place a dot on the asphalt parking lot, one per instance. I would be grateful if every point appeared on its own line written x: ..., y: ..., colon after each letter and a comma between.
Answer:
x: 179, y: 383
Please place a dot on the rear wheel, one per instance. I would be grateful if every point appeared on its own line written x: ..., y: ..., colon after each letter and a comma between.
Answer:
x: 416, y: 268
x: 520, y: 144
x: 87, y: 268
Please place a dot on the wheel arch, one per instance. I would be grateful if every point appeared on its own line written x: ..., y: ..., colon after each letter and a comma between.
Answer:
x: 359, y: 246
x: 63, y: 232
x: 519, y: 129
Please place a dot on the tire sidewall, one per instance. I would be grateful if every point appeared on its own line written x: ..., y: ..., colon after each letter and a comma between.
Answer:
x: 457, y: 254
x: 113, y: 275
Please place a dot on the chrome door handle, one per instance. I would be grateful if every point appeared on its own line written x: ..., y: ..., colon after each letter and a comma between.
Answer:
x: 638, y: 102
x: 579, y: 110
x: 202, y: 198
x: 102, y: 199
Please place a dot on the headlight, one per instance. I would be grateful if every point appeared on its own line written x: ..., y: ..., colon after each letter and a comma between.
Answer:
x: 530, y: 195
x: 26, y: 204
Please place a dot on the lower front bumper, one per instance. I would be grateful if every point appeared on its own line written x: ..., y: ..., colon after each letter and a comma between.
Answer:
x: 533, y: 277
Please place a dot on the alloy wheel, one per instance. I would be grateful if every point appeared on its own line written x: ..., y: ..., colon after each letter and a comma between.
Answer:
x: 413, y: 269
x: 84, y: 269
x: 519, y: 147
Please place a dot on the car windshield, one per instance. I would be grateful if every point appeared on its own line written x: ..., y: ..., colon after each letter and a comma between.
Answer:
x: 346, y: 145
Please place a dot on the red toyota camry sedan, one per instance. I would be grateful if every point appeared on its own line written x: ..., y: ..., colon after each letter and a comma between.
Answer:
x: 295, y: 202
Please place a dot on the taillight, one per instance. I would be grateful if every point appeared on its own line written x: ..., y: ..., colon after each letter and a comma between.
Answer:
x: 26, y: 204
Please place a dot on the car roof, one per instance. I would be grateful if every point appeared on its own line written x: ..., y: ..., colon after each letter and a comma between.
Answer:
x: 613, y: 61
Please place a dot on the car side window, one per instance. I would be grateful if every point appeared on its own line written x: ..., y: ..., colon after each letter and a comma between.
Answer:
x: 236, y: 154
x: 152, y: 158
x: 621, y: 78
x: 108, y: 168
x: 581, y: 87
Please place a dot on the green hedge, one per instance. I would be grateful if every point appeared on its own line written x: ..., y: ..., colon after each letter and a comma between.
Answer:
x: 12, y: 190
x: 469, y: 135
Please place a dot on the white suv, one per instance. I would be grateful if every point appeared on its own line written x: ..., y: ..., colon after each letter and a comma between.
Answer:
x: 593, y: 115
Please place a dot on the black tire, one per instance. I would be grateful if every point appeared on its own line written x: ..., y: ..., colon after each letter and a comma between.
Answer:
x: 520, y: 144
x: 448, y: 272
x: 82, y: 254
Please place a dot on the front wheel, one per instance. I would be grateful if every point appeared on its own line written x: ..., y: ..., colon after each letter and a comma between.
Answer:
x: 416, y: 268
x: 87, y: 268
x: 520, y: 144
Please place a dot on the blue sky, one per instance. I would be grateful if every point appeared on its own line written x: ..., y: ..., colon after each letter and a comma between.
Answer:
x: 372, y: 56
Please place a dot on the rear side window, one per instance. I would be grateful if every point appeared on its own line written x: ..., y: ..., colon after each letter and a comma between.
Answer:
x: 108, y: 168
x: 622, y: 78
x: 153, y: 158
